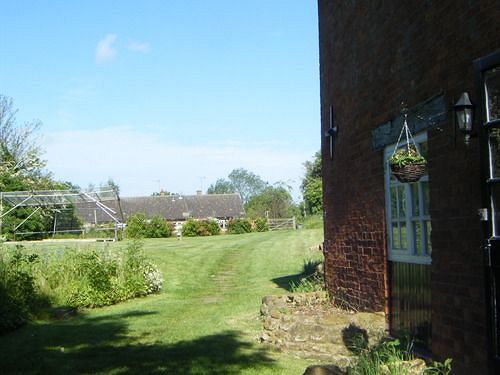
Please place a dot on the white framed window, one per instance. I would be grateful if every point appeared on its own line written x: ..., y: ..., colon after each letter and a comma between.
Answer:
x: 407, y: 212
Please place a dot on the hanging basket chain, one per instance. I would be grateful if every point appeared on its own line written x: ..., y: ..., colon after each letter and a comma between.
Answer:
x: 409, y: 137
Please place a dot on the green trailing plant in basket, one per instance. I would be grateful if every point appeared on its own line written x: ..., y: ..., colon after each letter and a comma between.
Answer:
x: 407, y: 156
x: 407, y: 165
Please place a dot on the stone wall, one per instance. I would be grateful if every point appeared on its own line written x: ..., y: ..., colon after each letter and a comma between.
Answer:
x: 307, y: 325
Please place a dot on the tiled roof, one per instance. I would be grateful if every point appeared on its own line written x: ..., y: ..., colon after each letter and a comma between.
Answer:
x: 171, y: 207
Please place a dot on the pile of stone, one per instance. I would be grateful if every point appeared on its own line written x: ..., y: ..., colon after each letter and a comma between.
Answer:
x: 309, y: 326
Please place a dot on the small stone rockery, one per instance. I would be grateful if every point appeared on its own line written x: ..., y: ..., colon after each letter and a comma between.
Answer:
x: 309, y: 326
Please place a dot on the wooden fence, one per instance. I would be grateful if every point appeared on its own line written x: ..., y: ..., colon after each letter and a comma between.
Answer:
x: 281, y: 224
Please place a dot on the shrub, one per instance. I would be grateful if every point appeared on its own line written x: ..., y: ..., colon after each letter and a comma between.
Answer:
x: 193, y: 228
x: 239, y: 226
x: 19, y: 296
x: 136, y: 226
x: 140, y: 276
x: 94, y: 282
x: 211, y: 227
x: 139, y: 227
x: 75, y: 278
x: 107, y: 278
x: 158, y: 227
x: 190, y: 228
x: 261, y: 225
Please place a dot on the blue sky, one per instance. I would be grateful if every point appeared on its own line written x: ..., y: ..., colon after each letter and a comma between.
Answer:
x: 165, y: 94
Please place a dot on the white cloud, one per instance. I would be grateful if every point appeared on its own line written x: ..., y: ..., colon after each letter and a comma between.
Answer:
x: 136, y: 46
x: 105, y: 50
x: 138, y: 160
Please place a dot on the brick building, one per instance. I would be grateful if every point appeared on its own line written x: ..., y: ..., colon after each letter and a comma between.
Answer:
x: 420, y: 251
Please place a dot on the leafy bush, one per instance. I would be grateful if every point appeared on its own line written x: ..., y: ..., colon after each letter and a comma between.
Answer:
x: 239, y: 226
x: 190, y: 228
x: 213, y: 227
x: 158, y: 227
x: 140, y: 276
x: 74, y: 278
x: 94, y: 282
x: 18, y: 293
x: 261, y: 225
x: 105, y: 278
x: 136, y: 226
x: 139, y: 227
x: 193, y: 228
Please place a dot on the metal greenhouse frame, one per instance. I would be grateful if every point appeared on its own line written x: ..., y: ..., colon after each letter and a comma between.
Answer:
x: 57, y: 199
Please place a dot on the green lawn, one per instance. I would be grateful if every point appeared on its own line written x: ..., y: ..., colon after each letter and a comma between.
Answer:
x: 206, y: 320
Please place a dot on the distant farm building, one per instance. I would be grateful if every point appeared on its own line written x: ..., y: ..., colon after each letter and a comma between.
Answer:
x: 175, y: 208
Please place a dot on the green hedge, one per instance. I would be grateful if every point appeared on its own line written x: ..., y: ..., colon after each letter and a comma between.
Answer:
x: 193, y: 228
x: 239, y: 226
x: 140, y: 227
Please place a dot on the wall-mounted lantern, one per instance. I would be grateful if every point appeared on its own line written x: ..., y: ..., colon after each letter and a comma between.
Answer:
x: 463, y: 112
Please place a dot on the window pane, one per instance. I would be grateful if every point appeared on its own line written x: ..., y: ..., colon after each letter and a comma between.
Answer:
x: 417, y: 237
x: 415, y: 200
x: 404, y: 236
x: 495, y: 152
x: 396, y: 243
x: 423, y: 149
x: 402, y: 201
x: 394, y: 202
x: 492, y: 83
x: 495, y: 197
x: 428, y: 236
x: 425, y: 194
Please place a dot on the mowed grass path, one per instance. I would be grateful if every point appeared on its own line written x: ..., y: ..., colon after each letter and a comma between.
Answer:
x: 206, y: 320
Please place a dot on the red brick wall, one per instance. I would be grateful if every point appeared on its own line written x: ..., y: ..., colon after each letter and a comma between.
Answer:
x: 373, y: 54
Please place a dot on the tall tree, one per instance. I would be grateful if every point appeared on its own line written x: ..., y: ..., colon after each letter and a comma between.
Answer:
x: 21, y: 168
x: 221, y: 186
x: 246, y: 183
x: 312, y: 185
x: 274, y: 202
x: 241, y: 181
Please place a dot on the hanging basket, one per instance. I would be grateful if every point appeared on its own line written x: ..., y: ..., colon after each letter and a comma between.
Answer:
x: 408, y: 173
x: 407, y: 164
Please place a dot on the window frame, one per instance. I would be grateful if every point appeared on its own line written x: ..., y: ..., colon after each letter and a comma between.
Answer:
x: 410, y: 253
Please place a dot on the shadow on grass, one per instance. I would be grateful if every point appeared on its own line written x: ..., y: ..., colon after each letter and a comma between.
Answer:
x: 286, y: 282
x: 102, y: 345
x: 309, y: 268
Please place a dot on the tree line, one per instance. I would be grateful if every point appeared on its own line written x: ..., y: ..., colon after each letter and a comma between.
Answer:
x: 262, y: 199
